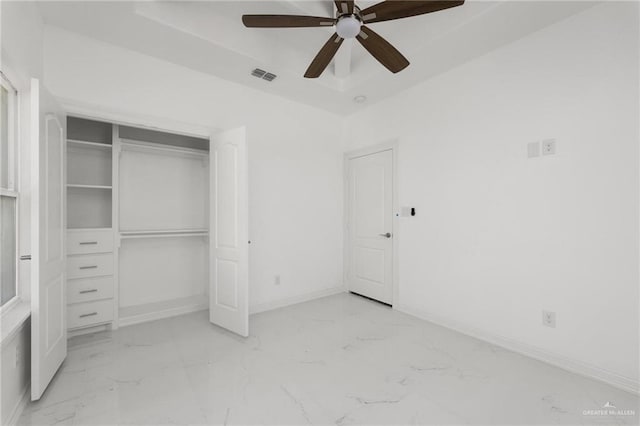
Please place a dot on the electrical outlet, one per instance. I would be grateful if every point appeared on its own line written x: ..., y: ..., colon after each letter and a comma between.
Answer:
x: 276, y: 280
x: 549, y: 319
x: 548, y: 147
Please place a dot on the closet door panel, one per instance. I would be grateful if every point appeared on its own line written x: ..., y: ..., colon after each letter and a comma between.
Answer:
x: 229, y: 232
x: 160, y: 191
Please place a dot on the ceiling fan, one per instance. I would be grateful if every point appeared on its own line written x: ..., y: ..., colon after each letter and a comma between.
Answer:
x: 350, y: 23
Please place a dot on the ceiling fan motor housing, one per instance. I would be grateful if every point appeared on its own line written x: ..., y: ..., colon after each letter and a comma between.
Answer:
x: 348, y: 24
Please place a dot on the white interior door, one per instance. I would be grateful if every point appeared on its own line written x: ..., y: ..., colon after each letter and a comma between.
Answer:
x: 48, y: 295
x: 229, y: 232
x: 370, y: 226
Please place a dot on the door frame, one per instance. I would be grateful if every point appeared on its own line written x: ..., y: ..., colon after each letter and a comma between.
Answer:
x: 393, y: 146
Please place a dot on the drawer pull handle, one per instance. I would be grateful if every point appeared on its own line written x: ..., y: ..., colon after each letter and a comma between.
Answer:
x: 93, y: 290
x: 88, y: 315
x: 88, y: 243
x: 89, y: 267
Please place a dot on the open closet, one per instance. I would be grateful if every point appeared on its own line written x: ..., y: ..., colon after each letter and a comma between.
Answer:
x: 138, y: 219
x: 131, y: 224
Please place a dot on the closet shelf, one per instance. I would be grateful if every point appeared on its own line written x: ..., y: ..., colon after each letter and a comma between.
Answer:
x: 164, y: 233
x: 89, y: 144
x: 139, y: 146
x: 73, y: 185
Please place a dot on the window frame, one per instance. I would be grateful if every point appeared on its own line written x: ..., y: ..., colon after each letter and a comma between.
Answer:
x: 11, y: 190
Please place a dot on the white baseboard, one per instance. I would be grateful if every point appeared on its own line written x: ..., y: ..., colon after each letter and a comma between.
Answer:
x: 161, y: 314
x: 621, y: 382
x: 19, y: 408
x: 88, y: 330
x: 201, y: 306
x: 268, y: 306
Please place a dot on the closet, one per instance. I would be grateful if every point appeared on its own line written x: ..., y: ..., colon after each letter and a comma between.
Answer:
x: 137, y: 224
x: 131, y: 224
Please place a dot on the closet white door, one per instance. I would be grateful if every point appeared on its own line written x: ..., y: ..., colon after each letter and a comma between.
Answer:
x: 229, y: 232
x: 48, y: 295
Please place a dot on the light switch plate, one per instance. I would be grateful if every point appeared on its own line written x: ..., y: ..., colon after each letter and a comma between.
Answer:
x: 533, y: 149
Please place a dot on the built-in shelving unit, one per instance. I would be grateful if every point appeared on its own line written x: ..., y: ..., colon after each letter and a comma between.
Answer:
x: 91, y: 280
x: 89, y: 170
x: 137, y: 218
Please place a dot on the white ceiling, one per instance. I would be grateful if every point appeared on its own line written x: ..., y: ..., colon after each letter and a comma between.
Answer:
x: 208, y: 36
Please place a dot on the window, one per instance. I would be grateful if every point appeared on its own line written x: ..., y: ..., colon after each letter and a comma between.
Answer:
x: 8, y: 193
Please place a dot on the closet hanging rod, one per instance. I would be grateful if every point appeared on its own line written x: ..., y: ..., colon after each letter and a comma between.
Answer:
x: 140, y: 146
x: 165, y: 231
x: 77, y: 142
x: 164, y: 235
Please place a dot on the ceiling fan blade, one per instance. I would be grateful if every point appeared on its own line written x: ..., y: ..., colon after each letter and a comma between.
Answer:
x: 382, y: 50
x: 324, y: 56
x: 344, y: 6
x: 396, y: 9
x: 285, y: 21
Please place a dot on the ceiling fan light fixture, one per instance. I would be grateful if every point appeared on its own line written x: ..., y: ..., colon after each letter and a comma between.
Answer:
x: 348, y: 26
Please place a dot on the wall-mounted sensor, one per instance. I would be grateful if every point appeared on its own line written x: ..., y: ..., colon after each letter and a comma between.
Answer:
x: 407, y: 211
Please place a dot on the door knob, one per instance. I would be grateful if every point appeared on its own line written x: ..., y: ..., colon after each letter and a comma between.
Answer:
x: 387, y: 235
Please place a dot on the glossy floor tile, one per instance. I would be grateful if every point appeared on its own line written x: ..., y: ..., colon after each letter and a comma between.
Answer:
x: 338, y: 360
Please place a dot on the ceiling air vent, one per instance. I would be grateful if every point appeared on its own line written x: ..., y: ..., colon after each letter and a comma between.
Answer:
x: 263, y: 74
x: 269, y: 77
x: 258, y: 73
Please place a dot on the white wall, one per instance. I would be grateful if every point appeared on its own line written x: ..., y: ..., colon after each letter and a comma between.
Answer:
x: 22, y: 30
x: 21, y: 42
x: 499, y: 237
x: 295, y: 153
x: 14, y: 378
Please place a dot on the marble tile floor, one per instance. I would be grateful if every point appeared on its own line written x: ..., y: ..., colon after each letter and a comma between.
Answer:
x: 339, y: 360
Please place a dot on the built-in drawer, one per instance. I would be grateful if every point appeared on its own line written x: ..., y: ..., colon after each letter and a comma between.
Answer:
x: 87, y: 242
x: 90, y: 313
x: 90, y: 265
x: 88, y: 289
